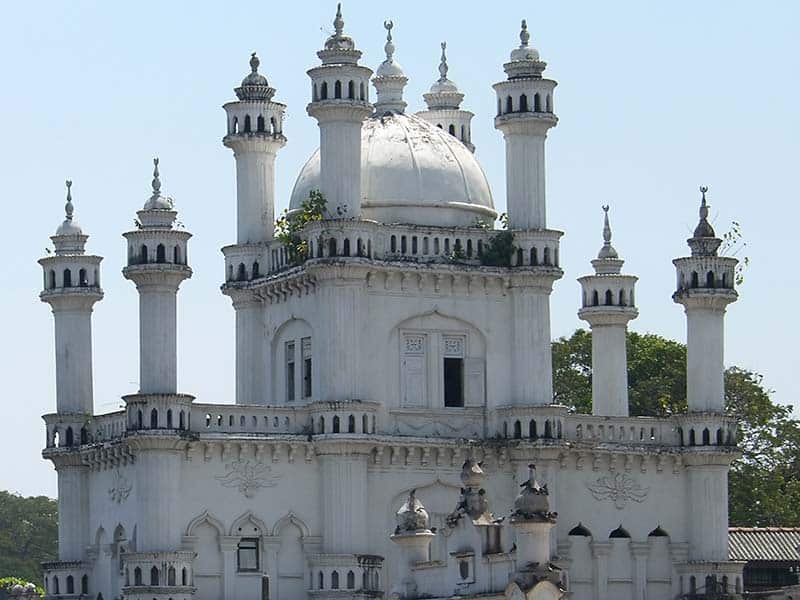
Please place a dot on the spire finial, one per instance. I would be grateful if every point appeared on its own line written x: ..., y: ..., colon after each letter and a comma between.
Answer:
x: 338, y: 22
x: 607, y: 251
x: 443, y: 63
x: 703, y: 205
x: 389, y: 47
x: 68, y: 207
x: 254, y: 62
x: 156, y: 180
x: 606, y: 226
x: 524, y: 36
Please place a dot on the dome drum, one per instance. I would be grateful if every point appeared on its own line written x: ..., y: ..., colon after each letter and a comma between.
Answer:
x: 161, y: 246
x: 340, y: 82
x: 525, y: 96
x: 265, y: 118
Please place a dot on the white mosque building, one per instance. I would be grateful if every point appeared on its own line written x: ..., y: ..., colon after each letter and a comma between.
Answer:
x: 393, y: 386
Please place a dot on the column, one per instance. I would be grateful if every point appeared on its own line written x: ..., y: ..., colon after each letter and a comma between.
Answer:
x: 640, y: 552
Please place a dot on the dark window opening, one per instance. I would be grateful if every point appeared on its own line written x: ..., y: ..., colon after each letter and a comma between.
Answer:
x: 260, y: 123
x: 67, y: 278
x: 454, y: 382
x: 307, y: 378
x: 290, y: 372
x: 523, y: 103
x: 154, y: 576
x: 247, y: 554
x: 247, y: 124
x: 324, y: 93
x: 337, y: 90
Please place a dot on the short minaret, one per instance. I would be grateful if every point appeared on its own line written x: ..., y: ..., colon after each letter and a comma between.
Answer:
x: 71, y: 287
x: 444, y: 106
x: 524, y: 115
x: 255, y: 134
x: 414, y: 537
x: 608, y: 305
x: 157, y: 265
x: 340, y: 104
x: 389, y: 80
x: 705, y: 288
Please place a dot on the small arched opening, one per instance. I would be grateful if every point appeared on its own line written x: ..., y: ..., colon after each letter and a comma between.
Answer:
x: 70, y: 584
x: 335, y: 580
x: 695, y: 280
x: 619, y: 533
x: 176, y: 255
x: 260, y: 123
x: 51, y: 279
x: 337, y: 90
x: 351, y: 90
x: 509, y: 104
x: 332, y: 247
x: 609, y: 301
x: 83, y: 281
x: 537, y: 103
x: 346, y: 247
x: 161, y: 254
x: 451, y: 130
x: 169, y: 418
x: 523, y: 103
x: 255, y: 271
x: 517, y: 430
x: 335, y: 426
x: 323, y: 94
x: 247, y: 126
x: 532, y: 429
x: 351, y: 424
x: 171, y: 576
x: 67, y: 280
x: 710, y: 279
x: 143, y: 254
x: 706, y: 437
x: 241, y: 272
x: 154, y: 418
x: 154, y: 576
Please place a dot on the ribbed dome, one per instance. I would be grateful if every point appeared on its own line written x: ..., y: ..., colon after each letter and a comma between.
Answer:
x: 411, y: 172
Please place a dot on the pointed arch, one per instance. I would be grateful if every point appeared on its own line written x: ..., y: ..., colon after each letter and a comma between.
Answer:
x: 248, y: 518
x: 205, y: 517
x: 290, y: 519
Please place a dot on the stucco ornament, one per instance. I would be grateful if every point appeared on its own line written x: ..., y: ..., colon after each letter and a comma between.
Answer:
x: 532, y: 501
x: 412, y: 515
x: 248, y: 477
x: 620, y: 488
x: 120, y: 489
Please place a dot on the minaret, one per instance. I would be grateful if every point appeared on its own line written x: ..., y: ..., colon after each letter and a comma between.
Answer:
x: 255, y: 134
x: 608, y: 305
x: 71, y: 288
x: 705, y: 288
x: 157, y: 265
x: 524, y: 115
x: 389, y: 79
x: 444, y: 106
x: 340, y: 104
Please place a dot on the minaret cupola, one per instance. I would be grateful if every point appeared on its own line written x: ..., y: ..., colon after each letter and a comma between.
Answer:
x: 608, y: 305
x: 340, y: 104
x: 524, y: 115
x: 444, y: 106
x: 389, y: 80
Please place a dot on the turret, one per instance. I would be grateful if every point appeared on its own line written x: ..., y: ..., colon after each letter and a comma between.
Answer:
x: 444, y: 106
x: 157, y: 264
x: 389, y: 80
x: 608, y: 305
x: 71, y: 287
x: 705, y: 288
x: 255, y: 134
x: 414, y: 536
x: 340, y: 104
x: 524, y: 115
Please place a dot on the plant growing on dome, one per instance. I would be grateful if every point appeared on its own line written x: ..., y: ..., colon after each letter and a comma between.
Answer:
x: 288, y: 227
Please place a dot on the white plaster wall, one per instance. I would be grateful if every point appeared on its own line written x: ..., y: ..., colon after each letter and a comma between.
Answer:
x: 705, y: 389
x: 609, y: 371
x: 158, y: 347
x: 255, y: 191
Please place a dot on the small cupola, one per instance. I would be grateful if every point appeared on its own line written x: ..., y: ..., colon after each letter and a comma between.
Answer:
x: 389, y: 79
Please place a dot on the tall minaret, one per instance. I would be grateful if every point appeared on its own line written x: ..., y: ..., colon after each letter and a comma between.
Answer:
x: 608, y: 305
x: 71, y: 287
x: 705, y: 288
x: 444, y: 106
x: 255, y: 134
x: 524, y: 115
x: 340, y: 104
x: 157, y: 265
x: 389, y: 80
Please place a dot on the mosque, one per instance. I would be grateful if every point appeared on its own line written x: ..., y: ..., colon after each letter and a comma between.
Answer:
x: 394, y: 433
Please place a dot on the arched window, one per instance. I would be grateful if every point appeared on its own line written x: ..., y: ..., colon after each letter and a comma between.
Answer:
x: 51, y: 279
x: 364, y: 424
x: 695, y: 280
x: 720, y: 437
x: 184, y: 577
x: 403, y: 244
x: 547, y: 256
x: 85, y: 584
x: 314, y: 96
x: 469, y: 248
x: 509, y: 105
x: 580, y: 530
x: 70, y: 584
x: 181, y: 420
x: 56, y: 591
x: 519, y: 257
x: 247, y: 124
x: 335, y: 427
x: 517, y: 430
x: 161, y: 255
x: 346, y: 247
x: 169, y: 418
x: 595, y: 298
x: 171, y: 576
x: 725, y: 282
x: 351, y: 424
x: 549, y: 103
x: 322, y: 425
x: 332, y: 247
x: 393, y: 244
x: 139, y: 420
x: 335, y: 580
x: 235, y: 125
x: 464, y: 134
x: 260, y: 123
x: 359, y: 247
x: 537, y: 103
x: 337, y: 89
x: 83, y: 281
x: 324, y: 91
x: 154, y: 418
x: 532, y: 429
x: 451, y: 129
x: 176, y: 255
x: 241, y: 273
x: 619, y: 532
x: 609, y: 298
x: 534, y: 257
x: 499, y: 106
x: 273, y: 126
x: 255, y: 272
x: 154, y: 576
x: 351, y: 90
x: 321, y: 580
x: 84, y: 436
x: 710, y: 279
x: 351, y: 580
x: 143, y: 254
x: 69, y: 437
x: 622, y: 297
x: 692, y: 438
x: 706, y: 437
x: 523, y: 103
x: 67, y: 278
x: 548, y: 430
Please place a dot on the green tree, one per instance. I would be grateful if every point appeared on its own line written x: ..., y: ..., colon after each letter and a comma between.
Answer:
x: 764, y: 485
x: 28, y: 535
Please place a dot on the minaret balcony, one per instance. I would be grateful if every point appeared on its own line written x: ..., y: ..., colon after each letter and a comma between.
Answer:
x: 66, y: 579
x: 159, y: 574
x: 356, y: 576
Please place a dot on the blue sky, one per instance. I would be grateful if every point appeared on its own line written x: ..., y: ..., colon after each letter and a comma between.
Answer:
x: 654, y: 99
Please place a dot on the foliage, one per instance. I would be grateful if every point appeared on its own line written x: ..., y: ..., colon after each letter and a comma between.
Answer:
x: 28, y: 534
x: 732, y: 244
x: 499, y: 249
x: 764, y: 485
x: 288, y: 227
x: 6, y: 583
